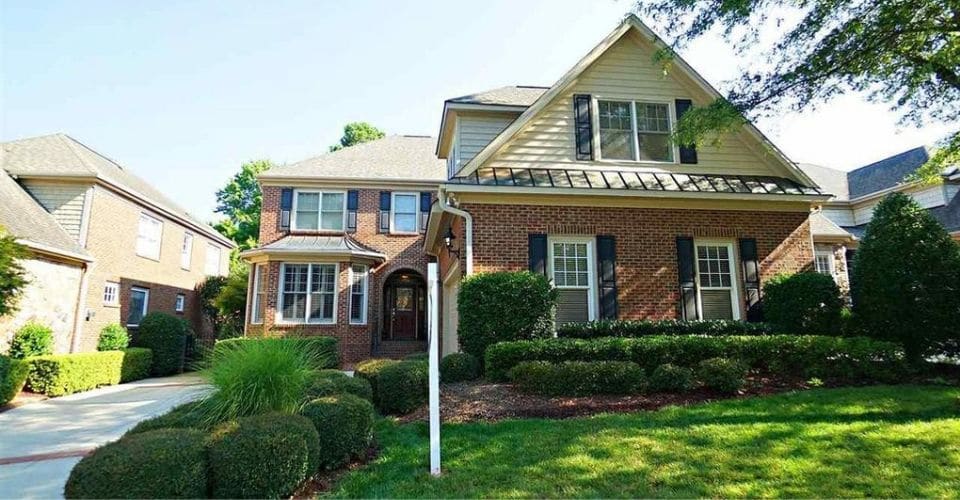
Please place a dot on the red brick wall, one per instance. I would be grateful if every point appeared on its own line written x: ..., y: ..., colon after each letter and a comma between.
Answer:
x: 646, y: 243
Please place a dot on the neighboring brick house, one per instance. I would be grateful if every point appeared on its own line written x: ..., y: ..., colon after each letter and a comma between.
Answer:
x: 579, y: 181
x: 841, y: 222
x: 133, y: 250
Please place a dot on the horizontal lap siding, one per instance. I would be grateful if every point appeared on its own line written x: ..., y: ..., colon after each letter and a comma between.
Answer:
x: 64, y: 201
x: 646, y: 243
x: 476, y: 130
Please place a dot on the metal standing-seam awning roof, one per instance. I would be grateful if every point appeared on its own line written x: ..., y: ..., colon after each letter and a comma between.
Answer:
x: 332, y: 246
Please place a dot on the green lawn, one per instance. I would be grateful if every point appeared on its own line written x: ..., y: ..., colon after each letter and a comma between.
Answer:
x: 898, y: 441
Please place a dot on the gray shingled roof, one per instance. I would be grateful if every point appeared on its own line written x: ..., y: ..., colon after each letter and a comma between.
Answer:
x: 886, y: 173
x: 396, y: 157
x: 24, y: 218
x: 820, y: 225
x: 514, y: 95
x: 830, y: 180
x: 63, y: 156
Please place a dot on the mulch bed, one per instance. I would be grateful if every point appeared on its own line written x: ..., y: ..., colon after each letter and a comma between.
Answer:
x: 484, y: 401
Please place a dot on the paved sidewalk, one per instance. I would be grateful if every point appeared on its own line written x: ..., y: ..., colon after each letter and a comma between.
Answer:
x: 40, y: 442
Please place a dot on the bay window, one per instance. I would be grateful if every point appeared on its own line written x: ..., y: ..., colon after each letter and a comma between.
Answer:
x: 358, y: 294
x: 634, y: 131
x: 317, y: 210
x: 308, y: 293
x: 259, y: 295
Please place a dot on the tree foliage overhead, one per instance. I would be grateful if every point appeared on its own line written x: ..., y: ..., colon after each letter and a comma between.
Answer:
x: 12, y: 275
x: 902, y: 52
x: 240, y: 202
x: 356, y: 133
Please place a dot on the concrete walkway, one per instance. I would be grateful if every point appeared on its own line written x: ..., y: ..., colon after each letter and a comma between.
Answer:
x: 40, y: 442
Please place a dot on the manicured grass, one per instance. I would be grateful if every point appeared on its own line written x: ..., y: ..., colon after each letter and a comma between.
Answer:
x: 892, y: 441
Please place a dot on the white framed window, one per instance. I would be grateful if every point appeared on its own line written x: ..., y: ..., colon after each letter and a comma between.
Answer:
x: 111, y: 293
x: 716, y: 281
x: 186, y: 251
x: 403, y: 217
x: 358, y: 294
x: 211, y: 265
x: 149, y: 235
x: 635, y: 131
x: 823, y: 259
x: 571, y: 261
x: 319, y: 210
x: 181, y: 302
x: 259, y: 294
x: 308, y: 293
x: 139, y: 300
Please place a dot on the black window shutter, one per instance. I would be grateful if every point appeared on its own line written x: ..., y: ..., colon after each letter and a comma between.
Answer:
x: 384, y: 225
x: 582, y: 104
x: 688, y: 278
x: 607, y: 259
x: 537, y: 250
x: 425, y: 201
x: 353, y: 200
x: 286, y: 205
x: 751, y: 278
x: 688, y: 153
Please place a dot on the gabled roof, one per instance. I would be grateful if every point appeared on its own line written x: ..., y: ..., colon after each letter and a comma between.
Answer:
x: 61, y: 156
x: 33, y: 226
x: 395, y: 157
x: 823, y: 227
x: 886, y: 173
x: 631, y: 22
x: 512, y: 95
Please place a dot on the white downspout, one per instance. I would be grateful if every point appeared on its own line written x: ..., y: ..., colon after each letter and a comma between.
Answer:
x: 468, y: 222
x: 80, y: 311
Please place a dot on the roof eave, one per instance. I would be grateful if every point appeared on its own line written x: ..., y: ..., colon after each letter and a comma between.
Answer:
x: 285, y: 180
x: 475, y: 188
x: 252, y: 254
x: 56, y: 252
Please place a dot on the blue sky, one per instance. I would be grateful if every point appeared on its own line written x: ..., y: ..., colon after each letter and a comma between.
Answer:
x: 182, y: 93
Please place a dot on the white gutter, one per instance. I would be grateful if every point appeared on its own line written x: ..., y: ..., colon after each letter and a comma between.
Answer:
x: 467, y: 220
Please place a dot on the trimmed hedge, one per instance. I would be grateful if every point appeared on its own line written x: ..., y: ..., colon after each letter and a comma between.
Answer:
x: 185, y: 416
x: 264, y: 456
x: 646, y: 328
x: 579, y: 378
x: 136, y: 364
x: 166, y: 336
x: 13, y: 375
x: 402, y: 387
x: 722, y: 374
x: 417, y: 356
x: 166, y: 463
x: 345, y: 425
x: 459, y: 367
x: 330, y: 385
x: 113, y: 337
x: 369, y: 370
x: 671, y: 378
x: 62, y: 374
x: 32, y: 339
x: 325, y: 346
x: 807, y: 302
x: 801, y: 355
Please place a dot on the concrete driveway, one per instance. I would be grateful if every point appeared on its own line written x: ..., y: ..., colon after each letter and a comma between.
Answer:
x: 40, y: 442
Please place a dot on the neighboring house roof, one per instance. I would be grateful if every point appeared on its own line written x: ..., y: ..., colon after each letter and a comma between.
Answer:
x: 633, y: 180
x: 395, y: 157
x: 333, y: 246
x: 513, y: 95
x: 59, y: 155
x: 33, y: 226
x: 886, y: 173
x: 830, y: 180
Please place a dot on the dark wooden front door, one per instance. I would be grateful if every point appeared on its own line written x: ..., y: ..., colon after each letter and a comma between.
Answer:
x: 403, y: 314
x: 404, y: 307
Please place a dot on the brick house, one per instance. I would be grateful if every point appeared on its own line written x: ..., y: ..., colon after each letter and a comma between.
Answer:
x: 579, y: 181
x: 107, y: 247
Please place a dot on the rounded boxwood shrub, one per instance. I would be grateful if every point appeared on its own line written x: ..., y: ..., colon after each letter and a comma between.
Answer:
x: 671, y: 378
x: 32, y: 339
x: 113, y: 337
x: 459, y: 367
x: 13, y: 375
x: 165, y: 463
x: 329, y: 385
x: 402, y: 387
x: 345, y: 425
x: 803, y: 303
x: 369, y: 370
x: 502, y: 306
x: 166, y: 337
x: 264, y: 456
x: 722, y: 374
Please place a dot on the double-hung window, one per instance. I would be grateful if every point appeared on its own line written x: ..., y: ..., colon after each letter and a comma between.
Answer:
x: 149, y: 231
x: 634, y: 131
x: 717, y: 281
x: 259, y: 295
x: 308, y: 293
x: 186, y: 251
x: 317, y: 210
x: 824, y: 262
x: 139, y: 300
x: 211, y: 265
x: 180, y: 303
x: 572, y: 270
x: 358, y: 294
x: 404, y: 216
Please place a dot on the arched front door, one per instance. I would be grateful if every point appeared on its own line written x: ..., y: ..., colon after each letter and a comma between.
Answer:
x: 404, y: 302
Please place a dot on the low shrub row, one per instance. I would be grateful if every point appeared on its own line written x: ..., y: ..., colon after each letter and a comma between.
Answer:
x: 645, y: 328
x: 13, y: 375
x: 62, y: 374
x: 807, y: 356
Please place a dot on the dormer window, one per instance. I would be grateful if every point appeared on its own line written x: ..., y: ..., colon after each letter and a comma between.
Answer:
x: 319, y: 210
x: 634, y: 131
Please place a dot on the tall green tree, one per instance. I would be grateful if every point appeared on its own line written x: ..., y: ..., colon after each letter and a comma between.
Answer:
x: 356, y: 133
x: 13, y: 277
x: 902, y: 52
x: 240, y: 202
x: 906, y: 278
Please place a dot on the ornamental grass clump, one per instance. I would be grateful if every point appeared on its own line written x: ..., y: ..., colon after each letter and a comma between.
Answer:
x: 261, y: 376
